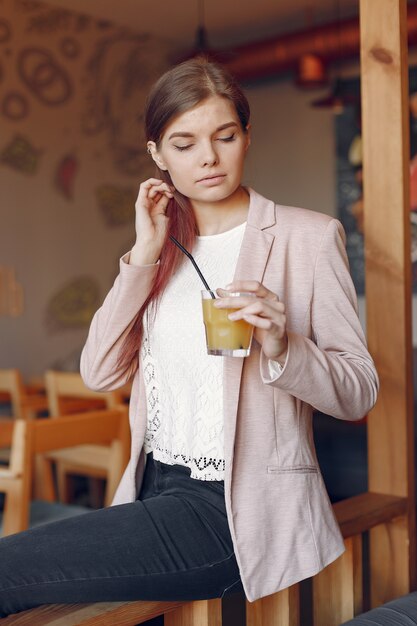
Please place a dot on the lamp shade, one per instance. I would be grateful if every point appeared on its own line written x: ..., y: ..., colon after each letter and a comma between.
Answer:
x: 311, y: 72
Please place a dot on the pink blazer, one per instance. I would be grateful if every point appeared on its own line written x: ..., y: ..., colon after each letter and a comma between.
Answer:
x: 280, y: 517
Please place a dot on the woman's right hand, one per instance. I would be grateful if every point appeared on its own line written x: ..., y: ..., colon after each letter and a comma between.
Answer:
x: 151, y: 221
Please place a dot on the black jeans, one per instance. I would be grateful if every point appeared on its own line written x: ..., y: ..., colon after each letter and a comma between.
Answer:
x: 173, y: 543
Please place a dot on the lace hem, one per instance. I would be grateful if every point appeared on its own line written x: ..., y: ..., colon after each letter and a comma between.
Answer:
x: 202, y: 469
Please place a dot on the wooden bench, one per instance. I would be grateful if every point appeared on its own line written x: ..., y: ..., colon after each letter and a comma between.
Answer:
x: 201, y: 613
x: 337, y: 590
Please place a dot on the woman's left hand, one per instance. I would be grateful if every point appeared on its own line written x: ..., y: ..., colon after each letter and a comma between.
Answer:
x: 262, y: 309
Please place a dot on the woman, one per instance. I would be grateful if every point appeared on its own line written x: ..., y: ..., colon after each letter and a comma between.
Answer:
x: 223, y: 488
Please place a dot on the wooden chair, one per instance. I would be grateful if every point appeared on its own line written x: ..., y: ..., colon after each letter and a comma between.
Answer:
x: 12, y: 434
x: 67, y: 393
x: 24, y: 405
x: 12, y: 390
x: 31, y: 437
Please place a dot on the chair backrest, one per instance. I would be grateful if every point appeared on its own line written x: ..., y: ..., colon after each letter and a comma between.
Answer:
x: 12, y: 436
x: 67, y: 393
x: 31, y: 437
x: 11, y: 383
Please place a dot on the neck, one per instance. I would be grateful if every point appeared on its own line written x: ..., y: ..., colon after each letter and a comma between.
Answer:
x: 218, y: 217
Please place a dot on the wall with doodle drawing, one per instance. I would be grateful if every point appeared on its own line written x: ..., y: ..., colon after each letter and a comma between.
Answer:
x: 71, y: 156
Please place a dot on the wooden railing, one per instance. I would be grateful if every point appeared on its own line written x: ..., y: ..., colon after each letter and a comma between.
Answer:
x: 336, y: 591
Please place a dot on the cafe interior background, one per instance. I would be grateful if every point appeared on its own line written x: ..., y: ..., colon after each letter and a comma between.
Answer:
x: 74, y: 75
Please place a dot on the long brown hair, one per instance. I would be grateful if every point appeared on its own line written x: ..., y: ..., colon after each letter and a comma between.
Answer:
x: 178, y: 90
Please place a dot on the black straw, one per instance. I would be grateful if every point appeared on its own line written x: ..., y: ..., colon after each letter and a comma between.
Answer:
x: 177, y: 243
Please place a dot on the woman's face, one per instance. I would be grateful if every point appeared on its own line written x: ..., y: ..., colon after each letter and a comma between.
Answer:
x: 204, y: 151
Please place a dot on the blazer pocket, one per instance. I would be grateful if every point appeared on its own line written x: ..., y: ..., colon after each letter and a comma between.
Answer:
x: 293, y: 469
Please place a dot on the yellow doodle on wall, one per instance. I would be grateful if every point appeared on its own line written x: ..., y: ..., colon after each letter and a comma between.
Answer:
x: 21, y: 155
x: 117, y: 204
x: 74, y: 305
x: 11, y: 293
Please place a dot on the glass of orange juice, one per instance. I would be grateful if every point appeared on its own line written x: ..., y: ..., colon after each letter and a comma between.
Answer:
x: 225, y: 337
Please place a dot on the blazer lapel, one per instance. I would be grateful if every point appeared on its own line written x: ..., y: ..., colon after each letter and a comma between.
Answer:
x: 251, y: 264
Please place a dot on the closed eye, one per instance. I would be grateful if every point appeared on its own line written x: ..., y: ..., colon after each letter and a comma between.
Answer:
x: 182, y: 148
x: 190, y: 145
x: 226, y: 139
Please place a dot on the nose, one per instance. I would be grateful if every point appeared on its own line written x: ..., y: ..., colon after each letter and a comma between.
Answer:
x: 209, y: 155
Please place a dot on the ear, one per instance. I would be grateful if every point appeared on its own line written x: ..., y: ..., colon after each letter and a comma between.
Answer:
x: 153, y: 151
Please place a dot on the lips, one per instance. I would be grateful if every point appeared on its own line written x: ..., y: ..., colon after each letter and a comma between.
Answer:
x: 212, y: 178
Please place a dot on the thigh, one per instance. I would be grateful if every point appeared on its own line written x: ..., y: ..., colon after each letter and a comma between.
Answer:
x: 165, y: 547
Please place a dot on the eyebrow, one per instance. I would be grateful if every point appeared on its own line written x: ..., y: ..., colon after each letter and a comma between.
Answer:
x: 222, y: 127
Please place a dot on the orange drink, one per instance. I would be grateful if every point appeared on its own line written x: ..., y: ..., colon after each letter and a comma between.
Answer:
x: 225, y: 337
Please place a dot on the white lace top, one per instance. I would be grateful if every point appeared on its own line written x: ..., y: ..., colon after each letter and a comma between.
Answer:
x: 184, y: 385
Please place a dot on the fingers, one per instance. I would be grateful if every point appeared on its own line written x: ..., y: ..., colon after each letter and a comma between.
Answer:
x: 251, y: 286
x: 155, y: 182
x: 266, y: 313
x: 251, y: 304
x: 160, y: 190
x: 258, y: 322
x: 232, y: 302
x: 153, y: 189
x: 160, y: 201
x: 261, y: 309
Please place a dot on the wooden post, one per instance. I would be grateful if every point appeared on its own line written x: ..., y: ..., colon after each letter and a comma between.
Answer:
x: 201, y: 613
x: 277, y: 609
x: 337, y: 590
x: 385, y: 130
